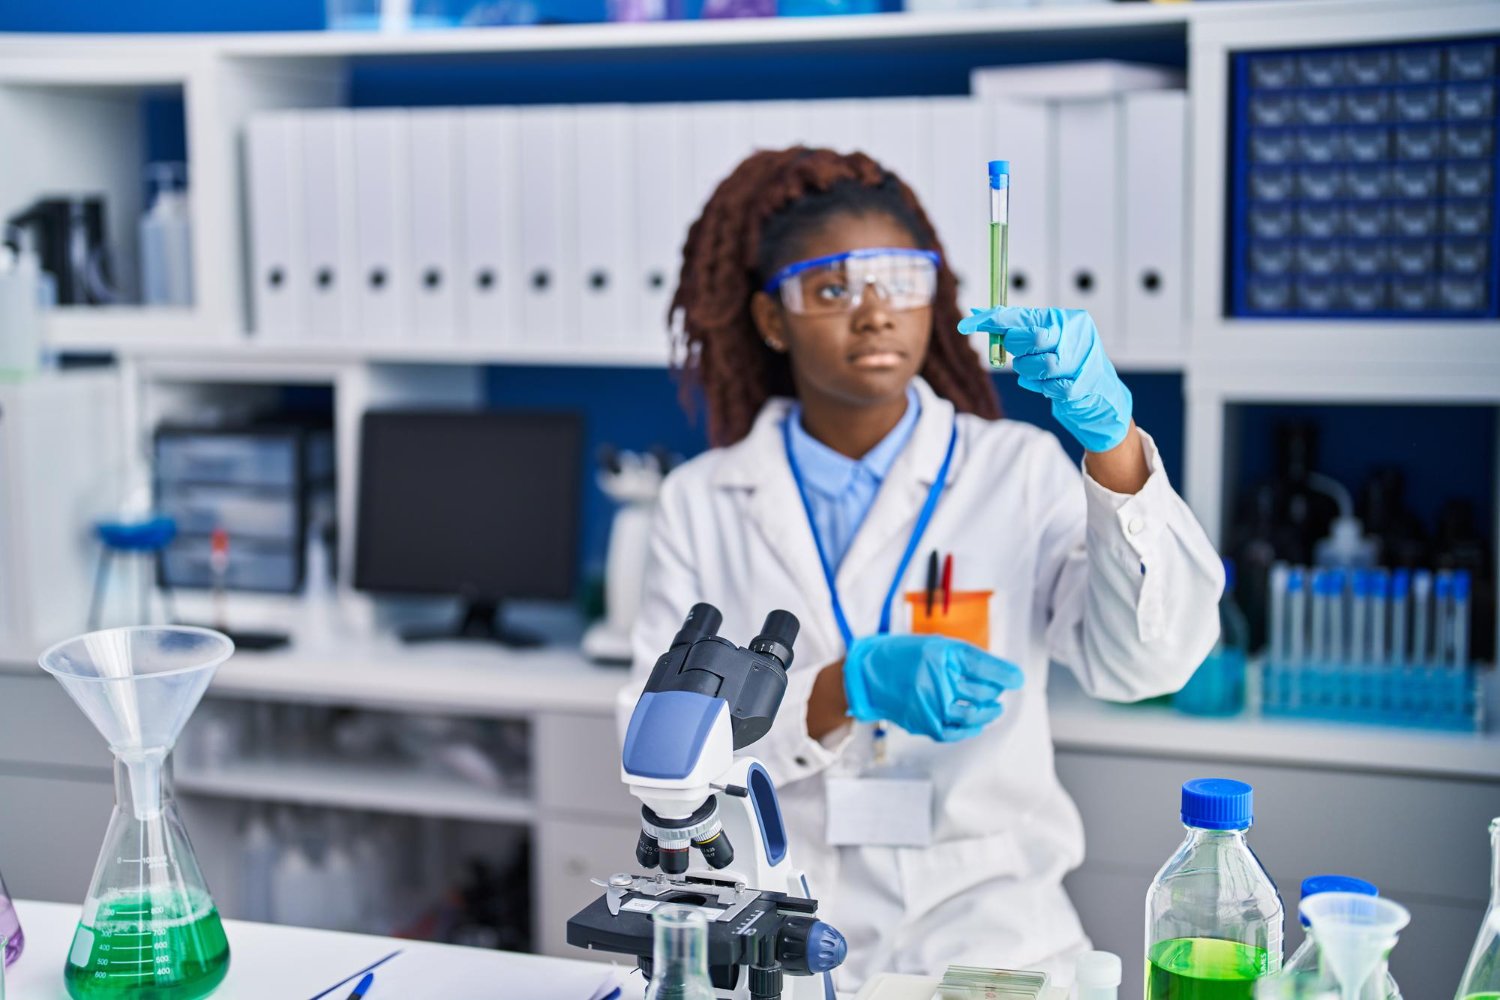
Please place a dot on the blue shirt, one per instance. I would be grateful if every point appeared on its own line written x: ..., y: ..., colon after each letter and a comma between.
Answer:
x: 841, y: 490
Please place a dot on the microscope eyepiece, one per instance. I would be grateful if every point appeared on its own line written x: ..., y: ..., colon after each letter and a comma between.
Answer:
x: 777, y: 636
x: 702, y: 620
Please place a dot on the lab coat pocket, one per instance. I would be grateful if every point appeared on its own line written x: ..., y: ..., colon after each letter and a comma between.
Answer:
x: 930, y: 876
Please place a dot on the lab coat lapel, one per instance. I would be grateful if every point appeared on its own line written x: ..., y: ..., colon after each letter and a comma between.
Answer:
x: 878, y: 544
x: 758, y: 465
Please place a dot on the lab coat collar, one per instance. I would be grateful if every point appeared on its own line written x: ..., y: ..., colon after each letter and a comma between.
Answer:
x: 758, y: 464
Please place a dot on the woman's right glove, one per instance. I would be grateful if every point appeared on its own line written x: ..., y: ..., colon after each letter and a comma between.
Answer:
x: 929, y: 685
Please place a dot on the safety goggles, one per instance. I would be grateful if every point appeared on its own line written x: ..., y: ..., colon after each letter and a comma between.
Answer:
x: 825, y: 286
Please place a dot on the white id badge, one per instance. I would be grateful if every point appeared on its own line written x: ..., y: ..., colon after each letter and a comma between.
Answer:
x: 878, y: 810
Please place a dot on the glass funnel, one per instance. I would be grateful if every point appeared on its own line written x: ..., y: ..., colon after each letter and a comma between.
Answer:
x: 10, y: 928
x: 149, y: 930
x: 1482, y: 975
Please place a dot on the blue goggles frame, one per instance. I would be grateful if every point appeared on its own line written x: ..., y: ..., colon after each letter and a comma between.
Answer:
x: 792, y: 270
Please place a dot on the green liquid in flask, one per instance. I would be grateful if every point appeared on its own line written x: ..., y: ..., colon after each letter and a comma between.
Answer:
x: 148, y: 948
x: 1204, y: 969
x: 999, y: 285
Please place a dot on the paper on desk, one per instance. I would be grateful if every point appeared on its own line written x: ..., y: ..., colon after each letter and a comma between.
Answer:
x: 461, y: 975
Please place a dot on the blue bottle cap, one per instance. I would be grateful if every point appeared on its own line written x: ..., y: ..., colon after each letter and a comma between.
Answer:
x: 1228, y: 574
x: 998, y: 169
x: 1461, y: 585
x: 1295, y: 580
x: 1217, y: 804
x: 1401, y: 584
x: 1336, y: 883
x: 1444, y: 589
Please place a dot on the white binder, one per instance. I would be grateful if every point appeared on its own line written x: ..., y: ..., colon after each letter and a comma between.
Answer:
x: 1025, y: 134
x: 605, y: 185
x: 273, y: 155
x: 958, y: 201
x: 490, y: 225
x: 897, y: 132
x: 777, y: 124
x: 434, y: 146
x: 549, y: 228
x: 331, y: 272
x: 721, y: 139
x: 664, y: 210
x: 1088, y: 215
x: 382, y: 200
x: 1154, y: 131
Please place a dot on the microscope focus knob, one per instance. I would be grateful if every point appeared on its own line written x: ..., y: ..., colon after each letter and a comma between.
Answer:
x: 810, y: 947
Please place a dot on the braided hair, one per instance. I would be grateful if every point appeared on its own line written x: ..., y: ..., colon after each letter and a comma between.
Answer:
x: 750, y: 227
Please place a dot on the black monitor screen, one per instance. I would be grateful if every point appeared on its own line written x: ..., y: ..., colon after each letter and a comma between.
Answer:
x: 482, y: 505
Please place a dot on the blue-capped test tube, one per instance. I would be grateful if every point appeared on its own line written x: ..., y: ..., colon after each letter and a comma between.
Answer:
x: 1421, y: 599
x: 1461, y: 585
x: 1276, y: 652
x: 1442, y: 618
x: 1359, y: 618
x: 1296, y: 614
x: 1322, y: 581
x: 999, y: 172
x: 1400, y: 598
x: 1380, y: 599
x: 1337, y: 647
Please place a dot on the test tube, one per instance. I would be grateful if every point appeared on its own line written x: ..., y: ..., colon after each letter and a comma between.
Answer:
x: 1380, y: 596
x: 999, y: 171
x: 1359, y: 619
x: 1400, y: 597
x: 1319, y: 650
x: 1461, y: 585
x: 1336, y: 634
x: 1421, y: 594
x: 1280, y: 572
x: 1442, y: 618
x: 1296, y: 602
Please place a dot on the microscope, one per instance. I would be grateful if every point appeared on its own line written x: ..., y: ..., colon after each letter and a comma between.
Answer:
x: 707, y: 698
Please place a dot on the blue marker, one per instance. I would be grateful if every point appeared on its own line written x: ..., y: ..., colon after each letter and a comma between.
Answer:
x: 363, y: 987
x: 1400, y: 595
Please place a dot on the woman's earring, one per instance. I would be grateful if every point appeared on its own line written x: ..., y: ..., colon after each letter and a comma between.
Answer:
x: 773, y: 345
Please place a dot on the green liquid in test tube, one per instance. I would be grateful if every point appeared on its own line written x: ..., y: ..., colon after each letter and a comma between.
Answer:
x: 999, y: 171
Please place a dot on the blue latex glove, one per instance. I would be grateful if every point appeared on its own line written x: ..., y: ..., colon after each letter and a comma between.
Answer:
x: 1058, y: 354
x: 929, y: 685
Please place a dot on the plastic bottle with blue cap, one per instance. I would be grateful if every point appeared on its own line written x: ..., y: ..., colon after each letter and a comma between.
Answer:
x: 1212, y: 912
x: 1306, y: 964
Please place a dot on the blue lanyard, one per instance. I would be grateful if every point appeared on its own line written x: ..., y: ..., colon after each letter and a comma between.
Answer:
x: 911, y: 546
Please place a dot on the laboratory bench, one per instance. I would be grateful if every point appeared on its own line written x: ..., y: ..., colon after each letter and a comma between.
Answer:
x: 1406, y: 809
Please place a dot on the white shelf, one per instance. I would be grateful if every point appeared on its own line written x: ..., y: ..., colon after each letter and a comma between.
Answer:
x: 351, y: 786
x: 113, y: 328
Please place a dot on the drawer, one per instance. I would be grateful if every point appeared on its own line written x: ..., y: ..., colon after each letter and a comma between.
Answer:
x: 576, y: 763
x: 565, y: 855
x: 253, y: 565
x: 241, y: 459
x: 40, y: 724
x: 200, y: 508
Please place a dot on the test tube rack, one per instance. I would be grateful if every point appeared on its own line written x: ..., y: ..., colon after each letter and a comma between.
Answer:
x: 1412, y: 695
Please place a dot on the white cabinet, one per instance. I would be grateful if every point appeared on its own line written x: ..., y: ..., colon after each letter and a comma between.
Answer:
x: 566, y: 853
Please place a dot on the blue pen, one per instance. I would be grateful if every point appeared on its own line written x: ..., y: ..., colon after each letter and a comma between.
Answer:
x: 363, y: 987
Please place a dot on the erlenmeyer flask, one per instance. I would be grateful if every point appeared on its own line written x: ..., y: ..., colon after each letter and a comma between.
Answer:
x: 1481, y: 979
x: 679, y: 967
x: 10, y: 928
x: 149, y: 930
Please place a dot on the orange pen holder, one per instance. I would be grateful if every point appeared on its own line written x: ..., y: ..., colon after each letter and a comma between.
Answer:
x: 968, y: 616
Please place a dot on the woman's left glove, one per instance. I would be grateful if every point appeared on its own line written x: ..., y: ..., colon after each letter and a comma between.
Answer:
x: 1058, y: 354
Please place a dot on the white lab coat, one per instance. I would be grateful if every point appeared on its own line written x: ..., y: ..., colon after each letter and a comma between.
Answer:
x: 1121, y: 589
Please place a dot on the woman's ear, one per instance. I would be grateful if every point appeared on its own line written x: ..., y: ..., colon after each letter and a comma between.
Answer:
x: 770, y: 323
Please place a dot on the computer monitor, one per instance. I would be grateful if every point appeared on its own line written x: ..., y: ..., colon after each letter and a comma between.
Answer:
x: 479, y: 505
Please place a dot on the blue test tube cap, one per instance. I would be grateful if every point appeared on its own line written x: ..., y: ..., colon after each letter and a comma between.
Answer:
x: 1362, y: 583
x: 1336, y: 883
x: 998, y: 169
x: 1217, y: 804
x: 1444, y: 588
x: 1328, y: 582
x: 1401, y: 584
x: 1296, y: 580
x: 1380, y: 583
x: 1461, y: 583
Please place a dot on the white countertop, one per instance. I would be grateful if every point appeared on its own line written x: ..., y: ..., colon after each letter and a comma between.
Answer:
x: 293, y: 963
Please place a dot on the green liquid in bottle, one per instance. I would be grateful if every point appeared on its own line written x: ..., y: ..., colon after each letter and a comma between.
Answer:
x: 1204, y: 969
x: 140, y: 947
x: 1483, y: 996
x: 999, y: 285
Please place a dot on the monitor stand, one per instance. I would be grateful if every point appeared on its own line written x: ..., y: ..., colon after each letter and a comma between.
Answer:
x: 481, y: 620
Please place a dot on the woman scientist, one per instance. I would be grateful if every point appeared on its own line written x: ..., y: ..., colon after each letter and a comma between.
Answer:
x: 856, y: 431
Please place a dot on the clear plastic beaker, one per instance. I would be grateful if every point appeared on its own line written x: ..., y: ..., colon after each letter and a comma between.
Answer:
x: 11, y: 938
x: 1482, y: 975
x: 149, y: 929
